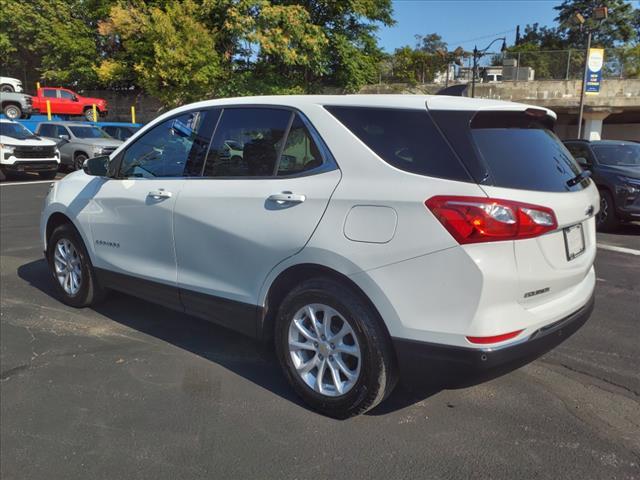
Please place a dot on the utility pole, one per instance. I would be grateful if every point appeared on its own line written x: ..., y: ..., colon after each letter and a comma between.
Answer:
x: 477, y: 54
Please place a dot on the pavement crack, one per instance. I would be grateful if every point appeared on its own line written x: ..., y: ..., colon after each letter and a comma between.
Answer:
x: 602, y: 379
x: 5, y: 375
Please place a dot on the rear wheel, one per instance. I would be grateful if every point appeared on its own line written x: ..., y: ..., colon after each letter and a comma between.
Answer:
x: 333, y: 349
x: 88, y: 114
x: 607, y: 220
x: 71, y: 268
x: 12, y: 112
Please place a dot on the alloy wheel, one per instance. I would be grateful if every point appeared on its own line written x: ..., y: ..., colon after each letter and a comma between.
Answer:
x: 68, y: 266
x: 604, y: 210
x: 324, y: 350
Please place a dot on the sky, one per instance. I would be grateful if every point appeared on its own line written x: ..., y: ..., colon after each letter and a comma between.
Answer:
x: 463, y: 22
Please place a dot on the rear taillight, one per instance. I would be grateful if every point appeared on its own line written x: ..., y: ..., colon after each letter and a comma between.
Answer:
x: 481, y: 219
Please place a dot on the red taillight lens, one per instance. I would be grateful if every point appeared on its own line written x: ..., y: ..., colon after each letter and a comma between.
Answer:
x: 495, y: 338
x: 481, y: 219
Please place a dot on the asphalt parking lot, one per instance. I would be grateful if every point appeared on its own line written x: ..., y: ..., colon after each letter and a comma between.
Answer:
x: 131, y: 390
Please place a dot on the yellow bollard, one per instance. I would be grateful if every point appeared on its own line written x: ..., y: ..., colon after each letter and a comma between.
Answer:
x: 37, y: 85
x: 49, y: 110
x: 95, y: 113
x: 133, y: 114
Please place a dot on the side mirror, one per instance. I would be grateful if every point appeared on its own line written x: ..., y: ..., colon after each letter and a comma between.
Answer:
x: 583, y: 162
x: 64, y: 137
x: 96, y: 166
x: 74, y: 98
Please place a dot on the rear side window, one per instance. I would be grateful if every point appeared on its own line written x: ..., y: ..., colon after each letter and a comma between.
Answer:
x: 50, y: 93
x: 247, y: 142
x: 521, y: 152
x: 406, y: 139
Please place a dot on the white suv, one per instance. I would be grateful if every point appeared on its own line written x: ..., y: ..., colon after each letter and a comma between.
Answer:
x: 22, y: 151
x: 365, y: 236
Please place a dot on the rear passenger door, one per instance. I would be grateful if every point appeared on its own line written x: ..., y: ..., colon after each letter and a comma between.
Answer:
x: 265, y: 186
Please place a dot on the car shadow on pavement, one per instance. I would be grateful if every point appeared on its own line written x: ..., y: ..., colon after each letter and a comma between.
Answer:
x: 246, y: 357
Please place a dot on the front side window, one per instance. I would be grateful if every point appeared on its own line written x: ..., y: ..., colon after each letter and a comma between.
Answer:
x: 247, y: 142
x: 166, y: 149
x: 66, y: 95
x: 300, y: 152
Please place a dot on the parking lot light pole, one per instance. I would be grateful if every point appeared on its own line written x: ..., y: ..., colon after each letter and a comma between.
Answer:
x: 477, y: 54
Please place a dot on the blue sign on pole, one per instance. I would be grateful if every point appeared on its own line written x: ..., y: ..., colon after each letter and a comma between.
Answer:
x: 594, y: 71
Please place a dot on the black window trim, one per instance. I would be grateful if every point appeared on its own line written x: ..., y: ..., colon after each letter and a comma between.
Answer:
x: 328, y: 160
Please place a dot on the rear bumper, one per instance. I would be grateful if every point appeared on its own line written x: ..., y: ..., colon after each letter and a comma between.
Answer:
x: 420, y: 358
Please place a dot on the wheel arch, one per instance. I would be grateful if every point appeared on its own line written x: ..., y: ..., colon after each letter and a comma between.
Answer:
x: 293, y: 275
x: 58, y: 218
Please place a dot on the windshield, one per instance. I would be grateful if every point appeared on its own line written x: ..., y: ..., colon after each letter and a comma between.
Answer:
x: 623, y: 155
x: 15, y: 130
x: 89, y: 132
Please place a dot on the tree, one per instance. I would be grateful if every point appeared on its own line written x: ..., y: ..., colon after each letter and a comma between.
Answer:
x: 48, y: 40
x: 620, y: 26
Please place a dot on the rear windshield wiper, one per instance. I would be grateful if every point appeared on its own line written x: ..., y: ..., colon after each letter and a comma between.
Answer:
x: 578, y: 178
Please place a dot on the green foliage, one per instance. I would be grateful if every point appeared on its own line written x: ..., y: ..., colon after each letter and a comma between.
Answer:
x: 47, y: 37
x: 618, y: 27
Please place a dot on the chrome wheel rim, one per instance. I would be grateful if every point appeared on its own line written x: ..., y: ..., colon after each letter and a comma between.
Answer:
x: 324, y: 350
x: 68, y: 266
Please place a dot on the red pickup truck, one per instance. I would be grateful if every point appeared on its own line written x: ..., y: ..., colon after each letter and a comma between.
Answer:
x: 66, y: 102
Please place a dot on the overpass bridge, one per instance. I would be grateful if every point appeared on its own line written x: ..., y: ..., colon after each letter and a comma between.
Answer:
x: 613, y: 114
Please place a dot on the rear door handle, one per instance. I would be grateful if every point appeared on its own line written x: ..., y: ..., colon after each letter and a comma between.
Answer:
x: 158, y: 194
x: 287, y: 197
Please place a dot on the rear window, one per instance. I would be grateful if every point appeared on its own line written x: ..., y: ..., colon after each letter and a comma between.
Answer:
x: 406, y: 139
x: 511, y: 149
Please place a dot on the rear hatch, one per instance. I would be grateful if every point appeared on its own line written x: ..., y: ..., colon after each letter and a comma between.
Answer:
x: 513, y: 154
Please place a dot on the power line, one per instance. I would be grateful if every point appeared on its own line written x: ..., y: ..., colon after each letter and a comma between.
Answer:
x: 481, y: 38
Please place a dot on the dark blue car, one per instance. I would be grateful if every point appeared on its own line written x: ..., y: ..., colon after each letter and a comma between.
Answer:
x: 615, y: 169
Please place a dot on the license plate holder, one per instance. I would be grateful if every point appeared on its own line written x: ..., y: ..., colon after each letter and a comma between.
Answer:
x: 574, y: 241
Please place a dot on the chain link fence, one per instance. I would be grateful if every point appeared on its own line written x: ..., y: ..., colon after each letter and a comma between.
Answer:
x: 621, y: 63
x: 569, y: 64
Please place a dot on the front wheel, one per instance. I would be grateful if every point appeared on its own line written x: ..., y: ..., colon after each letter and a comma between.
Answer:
x: 333, y: 349
x: 78, y: 161
x: 71, y: 268
x: 6, y: 88
x: 12, y: 112
x: 607, y: 220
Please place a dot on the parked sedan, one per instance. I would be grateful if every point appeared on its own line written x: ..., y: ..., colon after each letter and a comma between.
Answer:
x: 78, y: 141
x: 615, y: 168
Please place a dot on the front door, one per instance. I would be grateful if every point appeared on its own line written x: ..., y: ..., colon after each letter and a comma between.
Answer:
x: 132, y: 216
x: 262, y: 195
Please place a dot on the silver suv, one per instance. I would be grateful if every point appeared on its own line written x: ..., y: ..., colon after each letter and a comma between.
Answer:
x: 78, y: 141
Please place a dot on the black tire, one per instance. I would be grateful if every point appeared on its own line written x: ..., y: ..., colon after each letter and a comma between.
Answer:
x: 50, y: 175
x: 378, y: 370
x: 78, y: 161
x: 3, y: 174
x: 88, y: 114
x: 607, y: 220
x: 5, y: 87
x: 90, y: 292
x: 12, y: 111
